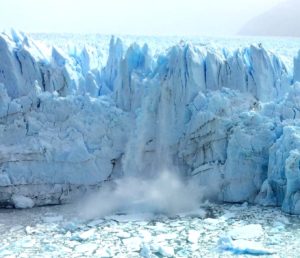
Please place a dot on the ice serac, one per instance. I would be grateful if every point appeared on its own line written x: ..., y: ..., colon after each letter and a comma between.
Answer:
x: 111, y: 70
x: 128, y: 85
x: 253, y: 70
x: 23, y: 64
x: 18, y: 69
x: 297, y: 68
x: 227, y: 119
x: 282, y: 185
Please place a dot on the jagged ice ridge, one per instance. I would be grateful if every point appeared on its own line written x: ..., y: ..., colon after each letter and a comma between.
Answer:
x: 227, y: 119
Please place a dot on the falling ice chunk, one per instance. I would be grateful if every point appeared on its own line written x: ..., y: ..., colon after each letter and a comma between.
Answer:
x: 30, y: 230
x: 22, y: 202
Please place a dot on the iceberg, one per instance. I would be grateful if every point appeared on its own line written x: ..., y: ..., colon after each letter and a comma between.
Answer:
x: 69, y: 123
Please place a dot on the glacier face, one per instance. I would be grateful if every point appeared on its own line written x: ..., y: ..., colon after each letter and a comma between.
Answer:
x: 227, y: 119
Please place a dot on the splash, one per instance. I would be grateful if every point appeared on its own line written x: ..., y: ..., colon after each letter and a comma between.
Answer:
x: 167, y: 194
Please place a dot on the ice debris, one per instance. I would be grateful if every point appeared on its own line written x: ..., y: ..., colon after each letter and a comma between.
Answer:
x: 22, y: 202
x: 246, y: 232
x: 242, y: 247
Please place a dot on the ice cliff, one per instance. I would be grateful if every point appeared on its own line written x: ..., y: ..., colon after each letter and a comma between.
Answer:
x: 228, y: 120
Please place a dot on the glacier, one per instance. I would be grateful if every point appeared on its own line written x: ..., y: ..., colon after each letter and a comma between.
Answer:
x: 72, y: 121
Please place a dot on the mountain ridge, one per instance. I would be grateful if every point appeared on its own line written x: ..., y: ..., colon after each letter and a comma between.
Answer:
x: 280, y: 21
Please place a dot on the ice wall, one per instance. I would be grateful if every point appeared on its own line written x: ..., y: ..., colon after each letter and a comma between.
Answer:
x: 229, y: 120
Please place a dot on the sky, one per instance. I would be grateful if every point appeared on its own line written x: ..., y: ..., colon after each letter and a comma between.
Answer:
x: 132, y: 17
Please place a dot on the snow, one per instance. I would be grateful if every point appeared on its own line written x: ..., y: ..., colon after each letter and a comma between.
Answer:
x: 223, y: 121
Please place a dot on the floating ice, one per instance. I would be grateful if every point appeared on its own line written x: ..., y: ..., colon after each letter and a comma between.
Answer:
x: 145, y: 251
x: 193, y: 236
x: 133, y: 243
x: 86, y: 234
x: 166, y: 251
x: 86, y: 249
x: 247, y: 232
x: 242, y: 247
x: 149, y: 238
